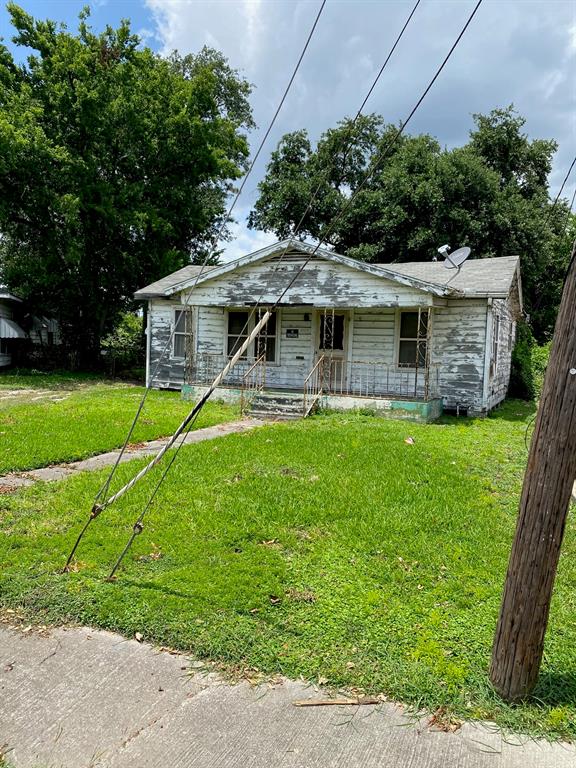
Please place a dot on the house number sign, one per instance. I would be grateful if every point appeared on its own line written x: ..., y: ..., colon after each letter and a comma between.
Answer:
x: 291, y: 333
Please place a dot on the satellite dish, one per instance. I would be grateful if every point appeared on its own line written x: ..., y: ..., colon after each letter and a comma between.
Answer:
x: 456, y: 258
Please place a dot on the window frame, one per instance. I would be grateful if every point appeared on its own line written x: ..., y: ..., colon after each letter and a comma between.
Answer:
x: 183, y: 334
x: 323, y: 316
x: 252, y: 322
x: 495, y: 346
x: 424, y: 340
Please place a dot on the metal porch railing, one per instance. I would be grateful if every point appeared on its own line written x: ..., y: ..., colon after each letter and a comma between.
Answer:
x: 313, y: 384
x: 359, y: 378
x: 254, y: 380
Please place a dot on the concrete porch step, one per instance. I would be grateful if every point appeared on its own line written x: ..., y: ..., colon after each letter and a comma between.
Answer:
x: 278, y: 405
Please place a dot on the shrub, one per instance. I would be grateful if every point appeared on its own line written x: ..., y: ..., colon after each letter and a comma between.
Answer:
x: 540, y: 355
x: 521, y: 375
x: 123, y: 349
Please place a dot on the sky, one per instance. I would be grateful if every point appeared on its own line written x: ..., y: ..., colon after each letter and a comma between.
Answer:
x: 515, y: 51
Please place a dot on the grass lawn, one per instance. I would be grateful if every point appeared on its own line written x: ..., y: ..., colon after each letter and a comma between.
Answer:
x: 328, y: 548
x: 48, y: 419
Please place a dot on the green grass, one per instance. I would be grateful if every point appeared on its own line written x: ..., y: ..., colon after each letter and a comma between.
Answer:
x: 328, y: 548
x: 31, y: 378
x: 57, y: 424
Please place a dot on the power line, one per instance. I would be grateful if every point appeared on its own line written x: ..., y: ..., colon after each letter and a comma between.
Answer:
x: 105, y: 487
x: 137, y: 528
x: 564, y: 184
x: 370, y: 173
x: 375, y: 165
x: 96, y: 508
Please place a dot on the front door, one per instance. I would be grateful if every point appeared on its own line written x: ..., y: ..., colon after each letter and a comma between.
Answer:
x: 331, y: 342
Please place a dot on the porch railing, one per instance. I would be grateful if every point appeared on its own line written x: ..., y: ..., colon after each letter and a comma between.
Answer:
x: 203, y: 367
x: 377, y: 378
x: 360, y: 378
x: 254, y: 380
x: 313, y: 384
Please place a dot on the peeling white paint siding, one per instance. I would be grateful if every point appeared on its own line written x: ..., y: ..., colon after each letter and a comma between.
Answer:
x: 459, y: 333
x: 374, y: 334
x: 500, y: 369
x: 460, y: 329
x: 211, y: 331
x: 170, y: 373
x: 321, y: 284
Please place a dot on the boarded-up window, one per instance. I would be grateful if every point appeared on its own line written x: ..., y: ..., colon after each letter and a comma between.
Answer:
x: 182, y: 332
x: 413, y: 339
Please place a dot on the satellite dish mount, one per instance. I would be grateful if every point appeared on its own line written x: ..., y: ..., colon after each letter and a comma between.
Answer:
x: 455, y: 259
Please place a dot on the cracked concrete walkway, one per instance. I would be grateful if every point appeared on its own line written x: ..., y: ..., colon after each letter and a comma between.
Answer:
x: 101, y: 460
x: 82, y: 698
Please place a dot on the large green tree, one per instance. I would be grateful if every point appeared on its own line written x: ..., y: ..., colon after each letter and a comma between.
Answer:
x: 490, y: 194
x: 115, y: 165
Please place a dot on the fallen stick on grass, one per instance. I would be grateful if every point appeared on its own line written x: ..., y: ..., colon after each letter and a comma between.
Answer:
x: 334, y: 702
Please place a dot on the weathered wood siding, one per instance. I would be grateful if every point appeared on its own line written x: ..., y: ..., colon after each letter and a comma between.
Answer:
x: 373, y: 336
x: 170, y: 373
x: 500, y: 369
x: 321, y: 284
x: 459, y: 340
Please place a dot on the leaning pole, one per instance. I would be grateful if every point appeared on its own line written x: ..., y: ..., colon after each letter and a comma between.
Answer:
x: 548, y: 482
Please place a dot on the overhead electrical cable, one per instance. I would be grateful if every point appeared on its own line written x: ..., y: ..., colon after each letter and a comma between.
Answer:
x: 562, y: 186
x: 216, y: 239
x: 106, y: 486
x: 96, y: 509
x: 374, y: 166
x: 137, y: 527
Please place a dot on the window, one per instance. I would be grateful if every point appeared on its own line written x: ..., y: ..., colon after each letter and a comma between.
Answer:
x: 241, y: 324
x: 183, y: 335
x: 511, y: 334
x: 332, y: 332
x: 266, y: 339
x: 413, y: 339
x: 237, y: 332
x: 3, y: 347
x: 495, y: 343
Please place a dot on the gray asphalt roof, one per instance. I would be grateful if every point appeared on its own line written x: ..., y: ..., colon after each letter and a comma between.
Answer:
x: 476, y: 277
x: 164, y: 286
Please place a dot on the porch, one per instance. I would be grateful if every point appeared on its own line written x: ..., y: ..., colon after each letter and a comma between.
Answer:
x: 264, y: 389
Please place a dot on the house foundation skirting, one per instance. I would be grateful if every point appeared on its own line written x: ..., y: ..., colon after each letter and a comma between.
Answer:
x: 410, y: 409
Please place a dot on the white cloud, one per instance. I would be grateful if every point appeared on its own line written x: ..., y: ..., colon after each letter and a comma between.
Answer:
x: 514, y: 52
x: 245, y: 241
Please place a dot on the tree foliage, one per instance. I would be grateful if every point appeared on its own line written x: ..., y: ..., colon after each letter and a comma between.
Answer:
x: 115, y: 164
x: 490, y: 194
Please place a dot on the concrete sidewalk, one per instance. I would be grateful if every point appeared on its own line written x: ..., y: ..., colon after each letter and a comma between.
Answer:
x: 139, y: 451
x: 81, y: 698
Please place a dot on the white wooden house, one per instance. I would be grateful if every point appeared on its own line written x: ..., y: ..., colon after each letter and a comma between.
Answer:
x: 410, y: 338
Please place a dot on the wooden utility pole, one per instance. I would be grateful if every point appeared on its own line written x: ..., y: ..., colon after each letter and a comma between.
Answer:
x: 548, y: 481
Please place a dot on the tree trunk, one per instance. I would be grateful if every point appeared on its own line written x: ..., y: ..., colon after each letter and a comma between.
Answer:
x: 550, y: 474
